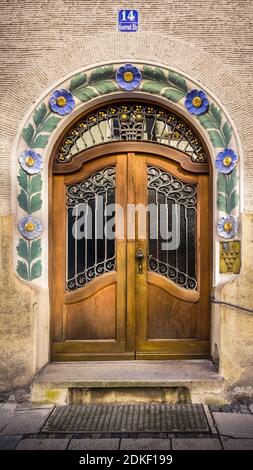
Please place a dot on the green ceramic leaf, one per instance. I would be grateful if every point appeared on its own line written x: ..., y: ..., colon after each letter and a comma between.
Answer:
x: 23, y: 200
x: 36, y: 184
x: 153, y: 87
x: 22, y: 248
x: 39, y: 114
x: 77, y: 81
x: 40, y: 142
x: 85, y: 94
x: 231, y: 182
x: 36, y: 270
x: 27, y: 134
x: 22, y: 270
x: 154, y: 73
x: 228, y: 197
x: 35, y: 249
x: 221, y: 183
x: 101, y: 74
x: 227, y: 133
x: 178, y: 81
x: 50, y: 124
x: 105, y: 87
x: 173, y: 95
x: 216, y: 114
x: 36, y: 203
x: 232, y: 201
x: 222, y: 202
x: 216, y: 139
x: 23, y: 179
x: 207, y: 121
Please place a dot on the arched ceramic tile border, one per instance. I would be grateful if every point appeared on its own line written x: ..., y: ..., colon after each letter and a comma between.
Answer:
x: 85, y: 86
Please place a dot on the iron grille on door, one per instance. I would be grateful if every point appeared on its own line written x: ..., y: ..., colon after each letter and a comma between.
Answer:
x: 89, y: 252
x: 177, y: 264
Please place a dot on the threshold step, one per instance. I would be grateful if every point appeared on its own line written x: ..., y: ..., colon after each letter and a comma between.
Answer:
x: 195, y: 381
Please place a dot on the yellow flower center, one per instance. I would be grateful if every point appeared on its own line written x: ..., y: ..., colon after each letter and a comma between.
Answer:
x: 197, y: 102
x: 227, y: 161
x: 228, y: 226
x: 29, y: 226
x: 138, y: 117
x: 128, y: 76
x: 124, y: 117
x: 61, y: 101
x: 30, y: 161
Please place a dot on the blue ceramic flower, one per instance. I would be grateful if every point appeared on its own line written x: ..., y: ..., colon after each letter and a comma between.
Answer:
x: 61, y: 102
x: 128, y: 77
x: 196, y: 102
x: 227, y: 226
x: 30, y: 227
x: 30, y: 161
x: 226, y: 161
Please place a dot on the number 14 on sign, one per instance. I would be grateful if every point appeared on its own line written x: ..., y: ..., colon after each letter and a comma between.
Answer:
x: 128, y: 20
x: 128, y: 15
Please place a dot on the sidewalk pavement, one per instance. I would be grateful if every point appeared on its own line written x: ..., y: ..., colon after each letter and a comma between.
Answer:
x: 22, y: 428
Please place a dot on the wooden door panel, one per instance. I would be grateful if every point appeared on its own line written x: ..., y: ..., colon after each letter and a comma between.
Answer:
x: 88, y: 319
x: 174, y: 320
x: 168, y: 317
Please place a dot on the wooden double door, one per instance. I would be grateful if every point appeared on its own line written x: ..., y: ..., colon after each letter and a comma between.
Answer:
x: 125, y: 283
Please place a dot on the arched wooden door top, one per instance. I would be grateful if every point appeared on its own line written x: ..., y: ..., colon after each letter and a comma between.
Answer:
x: 146, y: 124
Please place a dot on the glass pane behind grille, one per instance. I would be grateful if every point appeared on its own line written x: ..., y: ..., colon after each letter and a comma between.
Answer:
x: 168, y: 194
x: 89, y: 252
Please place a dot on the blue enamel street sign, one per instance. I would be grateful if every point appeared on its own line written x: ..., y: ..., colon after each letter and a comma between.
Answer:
x: 128, y: 20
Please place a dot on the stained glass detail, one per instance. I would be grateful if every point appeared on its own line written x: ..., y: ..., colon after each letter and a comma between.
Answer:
x: 90, y: 253
x: 176, y: 203
x: 131, y: 122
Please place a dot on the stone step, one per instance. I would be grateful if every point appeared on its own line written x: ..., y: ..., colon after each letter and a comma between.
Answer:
x: 182, y: 381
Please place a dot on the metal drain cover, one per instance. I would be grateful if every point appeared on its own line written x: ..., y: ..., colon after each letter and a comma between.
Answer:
x: 111, y: 418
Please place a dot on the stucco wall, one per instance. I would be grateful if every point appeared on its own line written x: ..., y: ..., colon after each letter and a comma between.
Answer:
x: 40, y: 43
x: 17, y: 322
x: 236, y: 327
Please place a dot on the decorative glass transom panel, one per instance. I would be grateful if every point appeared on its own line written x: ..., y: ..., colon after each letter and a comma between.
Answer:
x: 90, y: 252
x: 175, y: 203
x: 131, y: 122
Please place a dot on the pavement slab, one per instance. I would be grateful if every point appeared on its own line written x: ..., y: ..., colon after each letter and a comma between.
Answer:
x: 43, y: 444
x: 9, y: 442
x: 145, y: 444
x: 234, y: 425
x: 7, y: 411
x: 94, y: 444
x: 26, y: 422
x: 196, y: 444
x: 237, y: 444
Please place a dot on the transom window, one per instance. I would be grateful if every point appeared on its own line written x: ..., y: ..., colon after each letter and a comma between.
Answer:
x: 131, y: 122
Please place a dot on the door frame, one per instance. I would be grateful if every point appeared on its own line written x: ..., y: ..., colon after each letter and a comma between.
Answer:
x: 104, y: 150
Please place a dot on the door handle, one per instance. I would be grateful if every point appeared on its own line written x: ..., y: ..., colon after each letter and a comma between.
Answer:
x: 139, y: 258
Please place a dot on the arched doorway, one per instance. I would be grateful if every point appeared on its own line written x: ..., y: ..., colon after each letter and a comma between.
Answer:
x: 126, y: 297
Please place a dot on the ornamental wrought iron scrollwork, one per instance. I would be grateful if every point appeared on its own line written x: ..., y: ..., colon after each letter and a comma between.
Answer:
x: 89, y: 256
x: 131, y: 122
x: 178, y: 265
